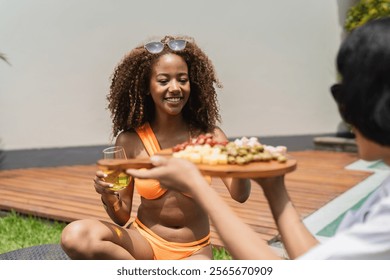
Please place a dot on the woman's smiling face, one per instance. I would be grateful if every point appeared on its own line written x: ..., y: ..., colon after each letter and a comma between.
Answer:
x: 169, y: 84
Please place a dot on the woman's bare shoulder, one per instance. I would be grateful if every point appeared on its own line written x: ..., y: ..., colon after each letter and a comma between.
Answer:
x: 131, y: 142
x: 218, y: 134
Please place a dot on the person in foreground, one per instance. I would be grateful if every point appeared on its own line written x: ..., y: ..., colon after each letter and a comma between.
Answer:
x: 162, y: 94
x: 363, y: 99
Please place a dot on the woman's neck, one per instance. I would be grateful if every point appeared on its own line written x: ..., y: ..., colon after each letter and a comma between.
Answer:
x: 170, y: 130
x: 169, y: 123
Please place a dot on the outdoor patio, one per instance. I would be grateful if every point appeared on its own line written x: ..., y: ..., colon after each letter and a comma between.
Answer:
x: 66, y: 193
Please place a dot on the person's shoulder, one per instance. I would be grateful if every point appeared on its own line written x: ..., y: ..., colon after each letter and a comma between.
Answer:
x: 126, y: 136
x: 218, y: 134
x: 131, y: 142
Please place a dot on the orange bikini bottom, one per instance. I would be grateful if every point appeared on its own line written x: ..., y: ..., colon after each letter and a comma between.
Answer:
x: 166, y: 250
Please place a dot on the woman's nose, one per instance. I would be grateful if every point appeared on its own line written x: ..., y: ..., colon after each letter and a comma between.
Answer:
x: 174, y: 86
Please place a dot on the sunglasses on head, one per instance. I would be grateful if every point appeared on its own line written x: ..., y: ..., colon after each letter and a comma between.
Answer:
x: 157, y: 47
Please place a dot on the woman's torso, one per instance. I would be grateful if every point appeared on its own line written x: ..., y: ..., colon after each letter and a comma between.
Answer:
x: 173, y: 216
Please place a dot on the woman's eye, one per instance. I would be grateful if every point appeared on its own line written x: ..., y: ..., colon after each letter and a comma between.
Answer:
x: 163, y: 82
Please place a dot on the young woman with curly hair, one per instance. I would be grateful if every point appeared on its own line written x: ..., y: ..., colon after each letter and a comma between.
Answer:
x: 162, y: 94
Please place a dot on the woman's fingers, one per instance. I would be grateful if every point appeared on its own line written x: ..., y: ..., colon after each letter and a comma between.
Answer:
x: 103, y: 187
x: 101, y: 174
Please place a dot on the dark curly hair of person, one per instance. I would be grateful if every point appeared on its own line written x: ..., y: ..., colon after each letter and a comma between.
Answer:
x: 131, y: 105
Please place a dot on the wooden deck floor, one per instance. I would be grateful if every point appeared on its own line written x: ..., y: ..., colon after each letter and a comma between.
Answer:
x: 66, y: 193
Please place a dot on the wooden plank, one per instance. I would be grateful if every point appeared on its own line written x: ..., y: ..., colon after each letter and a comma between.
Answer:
x: 66, y: 193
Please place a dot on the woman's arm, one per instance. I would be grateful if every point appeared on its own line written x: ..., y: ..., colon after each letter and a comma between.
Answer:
x: 239, y: 189
x: 241, y: 240
x: 296, y: 237
x: 118, y: 204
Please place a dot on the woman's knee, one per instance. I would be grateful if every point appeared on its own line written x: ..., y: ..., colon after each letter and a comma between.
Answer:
x: 76, y: 237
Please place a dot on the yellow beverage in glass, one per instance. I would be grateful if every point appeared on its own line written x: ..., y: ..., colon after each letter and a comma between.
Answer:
x: 118, y: 178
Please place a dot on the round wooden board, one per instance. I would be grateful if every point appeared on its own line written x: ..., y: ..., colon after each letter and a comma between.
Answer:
x: 250, y: 170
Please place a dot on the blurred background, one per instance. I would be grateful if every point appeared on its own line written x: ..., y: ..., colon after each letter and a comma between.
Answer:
x: 275, y: 59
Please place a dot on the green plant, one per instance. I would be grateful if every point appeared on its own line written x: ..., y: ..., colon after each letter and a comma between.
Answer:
x: 19, y: 231
x: 220, y: 253
x: 364, y: 11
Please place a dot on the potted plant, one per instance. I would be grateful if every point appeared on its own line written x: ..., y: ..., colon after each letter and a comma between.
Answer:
x: 364, y: 11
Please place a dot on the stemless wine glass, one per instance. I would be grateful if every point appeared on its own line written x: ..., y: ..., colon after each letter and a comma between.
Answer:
x: 118, y: 178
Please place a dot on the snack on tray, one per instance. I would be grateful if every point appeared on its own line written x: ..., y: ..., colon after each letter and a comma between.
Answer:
x: 205, y: 150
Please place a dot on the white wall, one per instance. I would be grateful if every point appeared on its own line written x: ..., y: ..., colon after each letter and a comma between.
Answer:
x: 274, y: 58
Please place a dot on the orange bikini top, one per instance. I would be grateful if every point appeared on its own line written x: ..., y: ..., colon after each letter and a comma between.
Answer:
x: 148, y: 188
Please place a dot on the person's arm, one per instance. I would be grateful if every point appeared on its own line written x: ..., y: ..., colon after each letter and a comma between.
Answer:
x: 241, y: 241
x: 296, y: 237
x: 239, y: 189
x: 117, y: 204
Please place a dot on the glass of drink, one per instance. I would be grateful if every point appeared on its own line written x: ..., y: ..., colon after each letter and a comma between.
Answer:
x: 118, y: 178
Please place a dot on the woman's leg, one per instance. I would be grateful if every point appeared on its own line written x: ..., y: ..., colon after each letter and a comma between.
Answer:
x: 206, y: 253
x: 93, y: 239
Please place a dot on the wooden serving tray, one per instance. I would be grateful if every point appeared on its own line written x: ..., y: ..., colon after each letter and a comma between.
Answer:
x: 250, y: 170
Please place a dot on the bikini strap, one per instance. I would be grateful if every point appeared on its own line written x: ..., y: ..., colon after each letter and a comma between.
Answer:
x: 148, y: 138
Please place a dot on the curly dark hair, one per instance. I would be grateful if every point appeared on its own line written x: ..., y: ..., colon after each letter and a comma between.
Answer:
x: 131, y: 106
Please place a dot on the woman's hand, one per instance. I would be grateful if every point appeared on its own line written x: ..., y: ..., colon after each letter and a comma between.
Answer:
x: 117, y: 204
x: 175, y: 174
x: 101, y: 186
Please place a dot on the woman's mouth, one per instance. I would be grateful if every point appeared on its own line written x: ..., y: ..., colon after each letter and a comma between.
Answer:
x: 173, y: 99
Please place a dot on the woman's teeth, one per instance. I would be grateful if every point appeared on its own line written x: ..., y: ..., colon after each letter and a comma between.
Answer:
x: 173, y: 99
